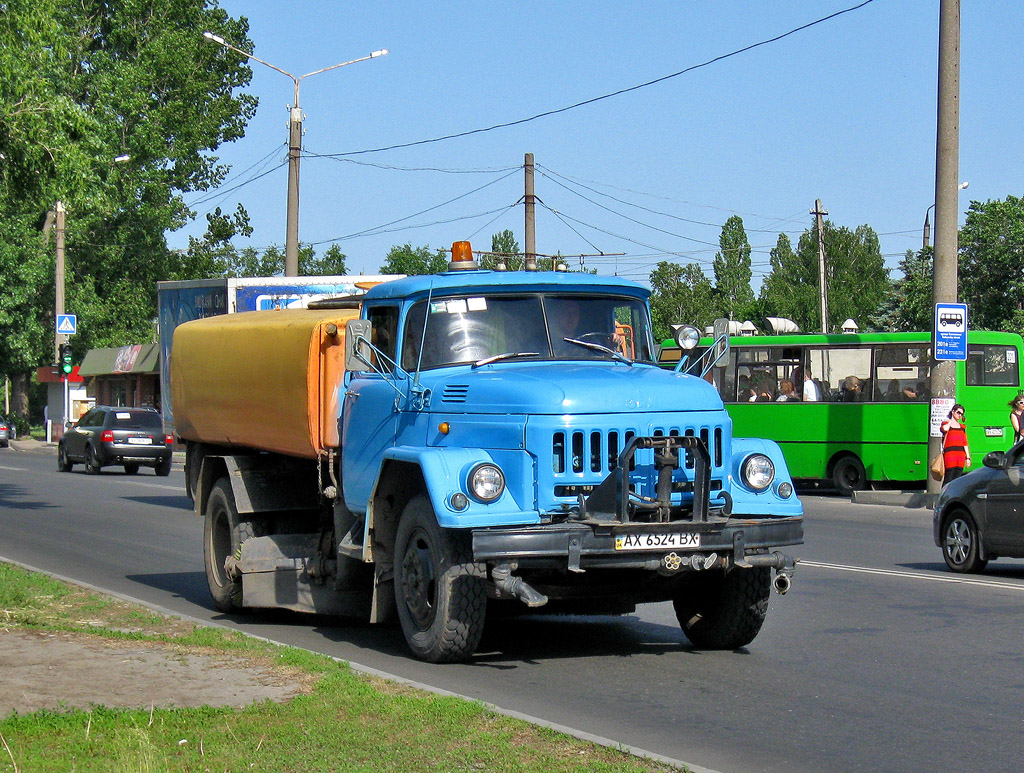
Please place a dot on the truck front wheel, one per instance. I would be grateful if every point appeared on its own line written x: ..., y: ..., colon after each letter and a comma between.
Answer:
x: 724, y: 611
x: 223, y: 535
x: 441, y: 605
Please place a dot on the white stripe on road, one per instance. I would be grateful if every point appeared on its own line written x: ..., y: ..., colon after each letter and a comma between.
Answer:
x: 915, y: 575
x: 13, y: 469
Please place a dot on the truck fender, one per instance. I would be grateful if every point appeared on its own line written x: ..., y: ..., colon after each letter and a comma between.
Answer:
x: 767, y: 502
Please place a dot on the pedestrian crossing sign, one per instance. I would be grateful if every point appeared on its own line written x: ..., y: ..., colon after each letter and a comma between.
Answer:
x: 67, y: 324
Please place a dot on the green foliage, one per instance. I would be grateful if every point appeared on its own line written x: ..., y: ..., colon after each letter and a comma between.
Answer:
x: 733, y: 271
x: 80, y: 84
x: 856, y: 278
x: 991, y: 270
x: 506, y: 247
x: 909, y: 306
x: 406, y: 259
x: 680, y: 295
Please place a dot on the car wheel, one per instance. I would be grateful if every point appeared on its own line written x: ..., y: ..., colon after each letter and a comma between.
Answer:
x: 848, y: 475
x: 163, y: 469
x: 131, y: 469
x: 960, y: 548
x: 63, y: 463
x: 441, y: 605
x: 92, y: 464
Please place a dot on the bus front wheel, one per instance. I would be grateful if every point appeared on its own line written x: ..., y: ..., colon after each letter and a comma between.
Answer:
x: 848, y: 474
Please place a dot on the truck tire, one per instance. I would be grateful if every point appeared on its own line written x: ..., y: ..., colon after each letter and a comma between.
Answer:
x: 724, y: 611
x: 223, y: 535
x: 441, y: 605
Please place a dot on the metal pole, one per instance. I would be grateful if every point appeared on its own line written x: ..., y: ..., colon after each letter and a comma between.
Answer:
x: 947, y: 161
x: 531, y: 217
x: 818, y: 213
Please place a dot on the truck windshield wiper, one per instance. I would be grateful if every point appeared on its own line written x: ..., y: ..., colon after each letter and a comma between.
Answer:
x: 599, y: 348
x: 505, y: 356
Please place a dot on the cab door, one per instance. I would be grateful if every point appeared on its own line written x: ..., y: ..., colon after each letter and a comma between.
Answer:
x: 369, y: 414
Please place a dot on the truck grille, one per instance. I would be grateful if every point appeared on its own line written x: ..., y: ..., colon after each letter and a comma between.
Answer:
x: 597, y: 451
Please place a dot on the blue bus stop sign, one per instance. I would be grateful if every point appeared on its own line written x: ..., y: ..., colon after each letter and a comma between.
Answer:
x: 950, y: 331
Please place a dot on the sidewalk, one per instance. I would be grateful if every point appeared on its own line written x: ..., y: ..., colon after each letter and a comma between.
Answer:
x: 33, y: 446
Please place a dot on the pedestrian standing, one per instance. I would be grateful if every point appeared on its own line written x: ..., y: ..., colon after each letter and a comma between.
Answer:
x: 1016, y: 413
x: 956, y: 455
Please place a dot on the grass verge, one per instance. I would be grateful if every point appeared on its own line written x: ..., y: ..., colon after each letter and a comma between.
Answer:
x: 343, y: 720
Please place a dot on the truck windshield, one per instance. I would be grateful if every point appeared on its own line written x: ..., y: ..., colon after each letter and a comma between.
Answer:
x: 470, y: 328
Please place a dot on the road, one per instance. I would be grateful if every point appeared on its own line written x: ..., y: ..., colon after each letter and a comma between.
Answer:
x: 878, y: 659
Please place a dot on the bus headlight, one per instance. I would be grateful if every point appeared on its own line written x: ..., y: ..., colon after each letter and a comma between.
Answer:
x: 758, y: 472
x: 486, y: 482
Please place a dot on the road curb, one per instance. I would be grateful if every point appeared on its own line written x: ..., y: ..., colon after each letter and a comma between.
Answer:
x: 909, y: 499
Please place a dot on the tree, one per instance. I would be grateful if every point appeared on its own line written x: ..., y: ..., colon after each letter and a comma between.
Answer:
x: 908, y: 305
x: 408, y: 260
x: 991, y: 264
x: 732, y: 269
x: 506, y: 250
x: 680, y: 295
x: 790, y: 289
x: 80, y: 84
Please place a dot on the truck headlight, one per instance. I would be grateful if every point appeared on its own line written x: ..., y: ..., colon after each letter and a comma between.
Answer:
x: 486, y: 482
x: 758, y: 472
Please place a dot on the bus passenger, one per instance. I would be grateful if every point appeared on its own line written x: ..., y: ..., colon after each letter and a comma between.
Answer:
x: 786, y: 392
x: 811, y: 393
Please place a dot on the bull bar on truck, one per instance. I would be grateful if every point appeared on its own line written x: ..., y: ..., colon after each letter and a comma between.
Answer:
x: 587, y: 539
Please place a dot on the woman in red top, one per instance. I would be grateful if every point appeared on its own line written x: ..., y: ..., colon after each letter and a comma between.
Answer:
x: 955, y: 453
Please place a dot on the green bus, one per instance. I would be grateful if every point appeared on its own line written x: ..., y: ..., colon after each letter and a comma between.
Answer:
x: 857, y: 408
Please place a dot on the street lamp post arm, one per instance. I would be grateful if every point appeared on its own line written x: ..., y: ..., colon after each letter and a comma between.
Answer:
x: 291, y: 261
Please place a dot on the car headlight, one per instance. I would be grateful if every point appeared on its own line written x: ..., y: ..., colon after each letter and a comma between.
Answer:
x: 758, y: 472
x: 486, y: 482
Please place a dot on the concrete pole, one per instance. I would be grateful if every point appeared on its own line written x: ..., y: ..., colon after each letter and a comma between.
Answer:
x: 59, y: 338
x: 819, y: 213
x: 291, y: 242
x: 947, y: 161
x: 531, y: 216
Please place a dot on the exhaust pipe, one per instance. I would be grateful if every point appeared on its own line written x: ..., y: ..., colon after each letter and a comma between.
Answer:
x: 516, y: 587
x: 782, y: 582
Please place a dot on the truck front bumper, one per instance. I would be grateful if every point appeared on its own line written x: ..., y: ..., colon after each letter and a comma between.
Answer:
x: 578, y: 546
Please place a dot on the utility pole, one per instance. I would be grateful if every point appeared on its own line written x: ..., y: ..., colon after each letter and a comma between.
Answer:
x: 291, y: 231
x: 947, y: 161
x: 59, y: 338
x: 819, y: 213
x: 531, y: 216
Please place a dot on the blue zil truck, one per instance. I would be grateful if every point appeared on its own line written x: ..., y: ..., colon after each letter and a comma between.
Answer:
x: 447, y: 445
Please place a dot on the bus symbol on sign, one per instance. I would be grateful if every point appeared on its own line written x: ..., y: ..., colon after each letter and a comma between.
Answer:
x: 950, y: 331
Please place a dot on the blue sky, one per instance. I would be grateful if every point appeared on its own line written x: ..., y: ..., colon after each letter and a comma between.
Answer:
x: 843, y: 111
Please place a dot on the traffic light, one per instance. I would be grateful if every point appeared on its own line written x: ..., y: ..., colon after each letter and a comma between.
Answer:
x: 66, y: 365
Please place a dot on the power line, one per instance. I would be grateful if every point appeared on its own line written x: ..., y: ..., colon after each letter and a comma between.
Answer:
x: 626, y: 90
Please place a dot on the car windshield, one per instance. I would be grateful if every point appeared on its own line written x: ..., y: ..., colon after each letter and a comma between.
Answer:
x: 136, y: 420
x: 469, y: 329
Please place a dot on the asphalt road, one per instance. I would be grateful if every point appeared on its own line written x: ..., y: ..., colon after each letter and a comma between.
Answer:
x: 878, y: 659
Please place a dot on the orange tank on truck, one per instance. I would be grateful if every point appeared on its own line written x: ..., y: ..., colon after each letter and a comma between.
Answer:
x: 266, y: 380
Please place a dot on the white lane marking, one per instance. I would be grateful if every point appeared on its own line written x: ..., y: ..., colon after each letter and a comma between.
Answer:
x: 179, y: 489
x: 13, y: 469
x: 914, y: 575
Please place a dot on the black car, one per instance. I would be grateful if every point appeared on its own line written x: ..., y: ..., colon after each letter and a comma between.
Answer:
x: 980, y: 516
x: 104, y: 436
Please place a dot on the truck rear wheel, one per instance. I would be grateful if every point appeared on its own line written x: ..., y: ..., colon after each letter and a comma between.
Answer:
x: 223, y: 535
x: 724, y: 611
x: 441, y: 605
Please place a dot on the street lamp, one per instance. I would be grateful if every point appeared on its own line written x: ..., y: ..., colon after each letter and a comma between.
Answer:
x: 927, y: 223
x: 291, y: 250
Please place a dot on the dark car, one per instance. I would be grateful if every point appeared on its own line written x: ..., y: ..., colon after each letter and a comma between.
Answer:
x: 980, y: 516
x: 104, y: 436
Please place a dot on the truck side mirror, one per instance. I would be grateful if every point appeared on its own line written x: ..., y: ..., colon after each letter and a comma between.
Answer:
x: 357, y: 345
